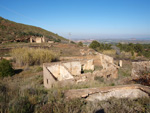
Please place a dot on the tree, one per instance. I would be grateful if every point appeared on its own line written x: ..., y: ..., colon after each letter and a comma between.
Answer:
x: 6, y: 68
x: 138, y: 48
x: 80, y: 44
x: 94, y: 45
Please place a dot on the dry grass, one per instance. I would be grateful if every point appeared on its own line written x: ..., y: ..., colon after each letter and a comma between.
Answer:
x: 109, y: 52
x: 25, y: 92
x: 30, y: 56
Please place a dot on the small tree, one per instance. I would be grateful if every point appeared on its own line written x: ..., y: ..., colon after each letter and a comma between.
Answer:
x: 6, y: 68
x: 80, y: 44
x: 139, y: 49
x: 94, y: 44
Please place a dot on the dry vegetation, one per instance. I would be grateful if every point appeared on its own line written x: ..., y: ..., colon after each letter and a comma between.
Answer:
x: 10, y: 30
x: 30, y: 56
x: 24, y: 92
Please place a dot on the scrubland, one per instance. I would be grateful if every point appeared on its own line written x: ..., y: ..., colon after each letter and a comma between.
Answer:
x: 24, y: 92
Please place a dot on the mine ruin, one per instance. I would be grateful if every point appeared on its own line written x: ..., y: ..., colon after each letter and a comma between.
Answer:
x: 70, y: 72
x: 59, y: 72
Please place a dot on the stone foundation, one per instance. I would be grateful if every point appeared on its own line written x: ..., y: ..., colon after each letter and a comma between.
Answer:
x: 125, y: 91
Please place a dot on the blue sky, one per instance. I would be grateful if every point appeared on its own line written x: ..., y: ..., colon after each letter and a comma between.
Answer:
x: 83, y: 18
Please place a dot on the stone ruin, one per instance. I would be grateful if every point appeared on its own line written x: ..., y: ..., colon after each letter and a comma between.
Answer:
x: 71, y: 71
x: 65, y: 73
x: 37, y: 39
x: 55, y: 73
x: 138, y: 68
x: 132, y: 91
x: 109, y: 68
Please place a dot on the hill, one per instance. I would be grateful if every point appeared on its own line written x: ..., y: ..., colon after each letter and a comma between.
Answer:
x: 10, y: 30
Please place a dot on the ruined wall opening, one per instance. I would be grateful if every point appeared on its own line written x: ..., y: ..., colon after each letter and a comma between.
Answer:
x: 47, y: 81
x: 82, y: 71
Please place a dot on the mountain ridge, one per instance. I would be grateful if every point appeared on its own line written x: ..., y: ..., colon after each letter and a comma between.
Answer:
x: 10, y: 30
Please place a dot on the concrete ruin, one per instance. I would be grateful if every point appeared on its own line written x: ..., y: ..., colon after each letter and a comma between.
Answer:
x: 64, y: 71
x: 50, y: 42
x: 120, y: 63
x: 61, y: 71
x: 109, y: 68
x: 104, y: 93
x: 37, y: 39
x: 138, y: 68
x: 88, y: 65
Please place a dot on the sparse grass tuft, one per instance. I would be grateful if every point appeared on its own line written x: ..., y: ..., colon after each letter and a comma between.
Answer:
x: 87, y: 71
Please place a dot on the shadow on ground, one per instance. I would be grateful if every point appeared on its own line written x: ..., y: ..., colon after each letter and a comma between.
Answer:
x: 17, y: 71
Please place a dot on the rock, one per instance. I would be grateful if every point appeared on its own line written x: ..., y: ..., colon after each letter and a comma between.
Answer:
x: 124, y: 91
x: 138, y: 68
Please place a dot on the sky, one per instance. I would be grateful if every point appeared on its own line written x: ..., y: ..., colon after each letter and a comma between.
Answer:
x: 83, y: 19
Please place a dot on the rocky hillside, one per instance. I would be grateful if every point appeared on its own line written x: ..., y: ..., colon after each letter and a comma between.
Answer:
x: 10, y: 31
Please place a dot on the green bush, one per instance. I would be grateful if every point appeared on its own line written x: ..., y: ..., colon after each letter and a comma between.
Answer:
x: 140, y: 49
x: 6, y: 68
x: 94, y: 45
x: 100, y: 46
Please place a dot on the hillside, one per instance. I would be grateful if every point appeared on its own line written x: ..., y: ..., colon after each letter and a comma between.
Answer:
x: 10, y: 30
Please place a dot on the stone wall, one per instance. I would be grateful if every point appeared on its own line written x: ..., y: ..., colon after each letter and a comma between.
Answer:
x: 139, y: 67
x: 37, y: 39
x: 73, y: 67
x: 110, y: 70
x: 105, y: 60
x: 88, y: 65
x: 48, y: 78
x: 54, y: 72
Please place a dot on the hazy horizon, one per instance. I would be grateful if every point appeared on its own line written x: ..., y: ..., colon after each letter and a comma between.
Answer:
x: 76, y: 19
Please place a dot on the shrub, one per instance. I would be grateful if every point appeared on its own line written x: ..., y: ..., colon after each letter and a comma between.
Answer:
x: 87, y: 71
x: 144, y: 79
x: 21, y: 105
x: 80, y: 44
x: 94, y: 44
x: 100, y: 46
x: 64, y: 106
x: 6, y: 68
x: 30, y: 56
x: 99, y: 79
